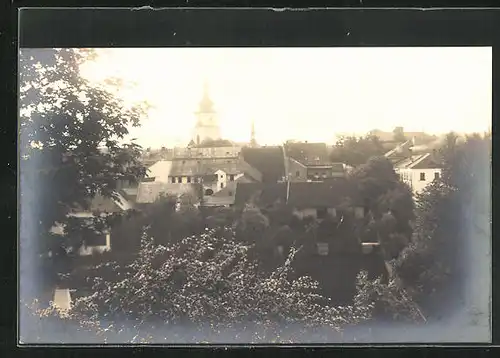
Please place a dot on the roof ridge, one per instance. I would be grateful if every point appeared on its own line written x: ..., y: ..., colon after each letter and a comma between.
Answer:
x: 418, y: 160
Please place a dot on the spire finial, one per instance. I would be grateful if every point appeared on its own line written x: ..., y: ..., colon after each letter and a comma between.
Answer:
x: 253, y: 142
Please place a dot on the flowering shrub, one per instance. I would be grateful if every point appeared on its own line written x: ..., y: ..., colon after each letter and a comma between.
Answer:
x: 206, y: 285
x: 51, y: 325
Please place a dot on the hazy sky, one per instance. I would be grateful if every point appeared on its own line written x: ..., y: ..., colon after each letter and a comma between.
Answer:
x: 304, y: 93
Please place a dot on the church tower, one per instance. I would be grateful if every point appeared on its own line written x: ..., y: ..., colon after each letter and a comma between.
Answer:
x: 253, y: 141
x: 207, y: 124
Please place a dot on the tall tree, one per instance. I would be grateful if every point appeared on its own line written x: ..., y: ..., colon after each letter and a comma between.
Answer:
x: 449, y: 228
x: 71, y: 141
x: 389, y: 201
x: 356, y: 151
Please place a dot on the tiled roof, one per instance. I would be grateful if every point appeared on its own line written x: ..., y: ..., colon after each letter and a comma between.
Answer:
x: 105, y: 205
x: 336, y: 167
x: 268, y: 193
x: 322, y: 194
x: 218, y: 200
x: 301, y: 195
x: 268, y: 161
x: 308, y: 153
x: 400, y: 150
x: 150, y: 192
x: 421, y: 161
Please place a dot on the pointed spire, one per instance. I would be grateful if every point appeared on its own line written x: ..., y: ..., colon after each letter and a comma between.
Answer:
x: 253, y: 142
x: 206, y: 104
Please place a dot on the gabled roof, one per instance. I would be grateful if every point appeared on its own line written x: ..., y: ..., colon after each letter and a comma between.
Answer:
x: 336, y: 167
x: 320, y: 194
x: 400, y: 149
x: 218, y: 200
x: 266, y: 193
x: 421, y: 161
x: 150, y: 192
x: 104, y: 204
x: 301, y: 195
x: 308, y: 153
x: 269, y: 161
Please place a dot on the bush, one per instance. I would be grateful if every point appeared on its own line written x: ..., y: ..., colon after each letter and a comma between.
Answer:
x: 207, y: 284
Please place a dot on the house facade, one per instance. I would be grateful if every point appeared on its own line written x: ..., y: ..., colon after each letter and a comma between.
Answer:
x: 418, y: 171
x: 100, y: 206
x: 316, y: 200
x: 320, y: 200
x: 307, y: 162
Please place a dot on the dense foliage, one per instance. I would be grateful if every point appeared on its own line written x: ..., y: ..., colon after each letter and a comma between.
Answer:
x: 435, y: 265
x: 356, y: 151
x: 207, y: 284
x: 389, y: 203
x: 71, y: 144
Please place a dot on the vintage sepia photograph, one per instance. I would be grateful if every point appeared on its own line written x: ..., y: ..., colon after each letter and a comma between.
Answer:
x: 254, y: 195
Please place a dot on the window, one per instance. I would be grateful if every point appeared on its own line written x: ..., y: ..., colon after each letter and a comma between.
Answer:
x: 179, y: 180
x: 231, y: 177
x: 222, y: 185
x: 209, y: 192
x: 222, y: 176
x: 230, y: 193
x: 189, y: 179
x: 297, y: 173
x: 173, y: 179
x: 422, y: 176
x: 436, y: 176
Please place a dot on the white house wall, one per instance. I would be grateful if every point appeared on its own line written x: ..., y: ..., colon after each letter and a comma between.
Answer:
x: 160, y: 171
x: 412, y: 178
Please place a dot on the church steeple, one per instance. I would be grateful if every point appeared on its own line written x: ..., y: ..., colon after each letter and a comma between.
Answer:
x: 253, y: 141
x: 207, y: 124
x: 206, y: 104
